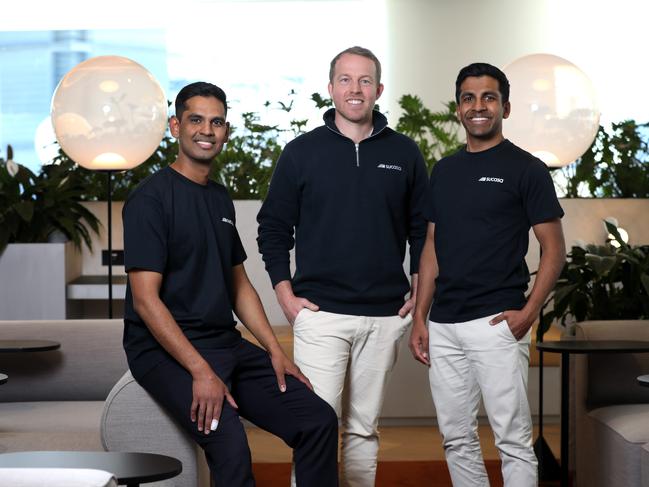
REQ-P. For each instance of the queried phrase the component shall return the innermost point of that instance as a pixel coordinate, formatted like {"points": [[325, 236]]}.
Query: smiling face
{"points": [[481, 111], [354, 89], [202, 129]]}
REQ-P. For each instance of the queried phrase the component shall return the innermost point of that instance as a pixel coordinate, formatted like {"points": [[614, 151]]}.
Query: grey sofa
{"points": [[82, 397], [611, 410]]}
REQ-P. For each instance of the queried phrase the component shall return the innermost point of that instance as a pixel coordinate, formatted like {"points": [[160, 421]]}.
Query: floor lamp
{"points": [[554, 116], [109, 193], [109, 114]]}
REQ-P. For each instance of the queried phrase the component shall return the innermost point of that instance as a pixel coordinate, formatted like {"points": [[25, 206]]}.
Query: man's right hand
{"points": [[291, 305], [419, 342], [209, 391]]}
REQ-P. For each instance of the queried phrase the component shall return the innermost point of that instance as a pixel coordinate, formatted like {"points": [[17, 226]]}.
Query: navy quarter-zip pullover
{"points": [[350, 208]]}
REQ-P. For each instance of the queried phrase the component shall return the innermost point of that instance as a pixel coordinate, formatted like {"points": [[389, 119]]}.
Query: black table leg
{"points": [[565, 377]]}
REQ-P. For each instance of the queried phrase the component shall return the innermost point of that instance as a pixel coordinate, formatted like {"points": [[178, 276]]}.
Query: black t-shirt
{"points": [[186, 232], [483, 205]]}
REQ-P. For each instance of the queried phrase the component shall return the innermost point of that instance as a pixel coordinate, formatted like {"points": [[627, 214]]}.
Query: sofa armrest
{"points": [[133, 421], [605, 379], [601, 380]]}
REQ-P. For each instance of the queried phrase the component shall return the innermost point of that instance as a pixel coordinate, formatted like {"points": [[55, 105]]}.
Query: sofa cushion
{"points": [[610, 453], [644, 465], [50, 425], [630, 421]]}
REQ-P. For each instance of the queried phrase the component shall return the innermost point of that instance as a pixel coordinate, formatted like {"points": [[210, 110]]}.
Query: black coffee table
{"points": [[567, 347], [13, 346], [643, 380], [130, 469], [3, 378]]}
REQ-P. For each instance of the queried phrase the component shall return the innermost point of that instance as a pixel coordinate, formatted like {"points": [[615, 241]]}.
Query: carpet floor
{"points": [[389, 474]]}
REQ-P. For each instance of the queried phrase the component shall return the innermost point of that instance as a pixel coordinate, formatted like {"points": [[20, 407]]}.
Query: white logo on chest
{"points": [[391, 167], [485, 179], [227, 220]]}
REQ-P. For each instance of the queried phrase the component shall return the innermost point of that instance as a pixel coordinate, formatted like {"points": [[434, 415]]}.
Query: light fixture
{"points": [[554, 114], [109, 114]]}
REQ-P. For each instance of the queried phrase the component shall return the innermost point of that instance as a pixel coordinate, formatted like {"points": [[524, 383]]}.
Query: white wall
{"points": [[430, 40], [583, 221]]}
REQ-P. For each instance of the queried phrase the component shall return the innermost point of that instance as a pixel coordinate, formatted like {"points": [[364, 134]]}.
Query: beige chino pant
{"points": [[348, 359]]}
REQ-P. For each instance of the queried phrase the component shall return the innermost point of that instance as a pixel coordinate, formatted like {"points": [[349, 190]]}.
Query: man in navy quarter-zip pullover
{"points": [[348, 195]]}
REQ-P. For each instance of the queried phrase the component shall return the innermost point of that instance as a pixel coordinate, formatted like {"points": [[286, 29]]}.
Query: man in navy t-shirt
{"points": [[481, 203], [184, 260]]}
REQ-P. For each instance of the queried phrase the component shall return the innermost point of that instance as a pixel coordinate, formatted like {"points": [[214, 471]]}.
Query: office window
{"points": [[257, 51]]}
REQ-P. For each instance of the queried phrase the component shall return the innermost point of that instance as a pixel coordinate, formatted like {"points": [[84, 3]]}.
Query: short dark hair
{"points": [[358, 51], [200, 88], [482, 69]]}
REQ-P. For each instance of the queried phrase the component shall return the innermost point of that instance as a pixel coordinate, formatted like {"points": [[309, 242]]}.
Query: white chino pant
{"points": [[468, 359], [354, 354]]}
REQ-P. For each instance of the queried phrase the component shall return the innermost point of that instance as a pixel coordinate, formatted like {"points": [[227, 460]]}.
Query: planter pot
{"points": [[33, 280]]}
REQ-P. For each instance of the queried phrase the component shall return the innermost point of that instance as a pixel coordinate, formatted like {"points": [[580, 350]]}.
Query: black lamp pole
{"points": [[109, 173], [548, 466]]}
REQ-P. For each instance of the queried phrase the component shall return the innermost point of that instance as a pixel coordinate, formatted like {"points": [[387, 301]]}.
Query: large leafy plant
{"points": [[32, 207], [437, 133], [600, 282], [615, 166]]}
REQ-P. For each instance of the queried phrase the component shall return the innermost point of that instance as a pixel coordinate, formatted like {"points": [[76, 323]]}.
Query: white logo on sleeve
{"points": [[391, 167], [227, 220], [486, 179]]}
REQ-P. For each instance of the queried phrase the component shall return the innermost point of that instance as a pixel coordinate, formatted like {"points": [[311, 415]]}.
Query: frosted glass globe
{"points": [[109, 113], [554, 112]]}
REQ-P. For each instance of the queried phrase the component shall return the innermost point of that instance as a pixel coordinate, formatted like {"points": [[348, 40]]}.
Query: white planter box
{"points": [[33, 280]]}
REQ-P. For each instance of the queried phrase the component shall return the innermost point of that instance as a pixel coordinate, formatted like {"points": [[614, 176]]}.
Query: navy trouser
{"points": [[305, 422]]}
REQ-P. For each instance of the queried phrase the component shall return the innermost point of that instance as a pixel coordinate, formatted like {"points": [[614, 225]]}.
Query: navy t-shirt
{"points": [[186, 232], [483, 205]]}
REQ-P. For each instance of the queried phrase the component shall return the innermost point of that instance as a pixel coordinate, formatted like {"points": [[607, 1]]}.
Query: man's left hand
{"points": [[519, 321], [283, 366], [408, 307]]}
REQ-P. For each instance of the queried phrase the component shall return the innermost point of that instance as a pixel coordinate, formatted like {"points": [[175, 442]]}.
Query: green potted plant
{"points": [[616, 165], [437, 133], [600, 282], [35, 207]]}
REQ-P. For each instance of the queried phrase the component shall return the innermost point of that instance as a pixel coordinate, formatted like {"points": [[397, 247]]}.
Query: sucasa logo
{"points": [[392, 167], [485, 179], [227, 220]]}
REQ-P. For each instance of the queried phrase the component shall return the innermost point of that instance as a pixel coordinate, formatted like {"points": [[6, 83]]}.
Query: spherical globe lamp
{"points": [[109, 113], [554, 114]]}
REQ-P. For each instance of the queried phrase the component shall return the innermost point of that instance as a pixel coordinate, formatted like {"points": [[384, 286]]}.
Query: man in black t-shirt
{"points": [[184, 260], [481, 203]]}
